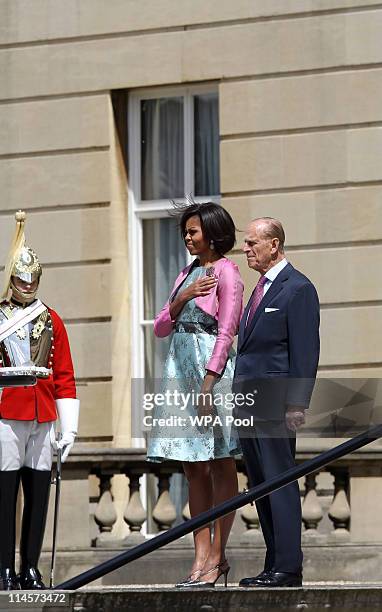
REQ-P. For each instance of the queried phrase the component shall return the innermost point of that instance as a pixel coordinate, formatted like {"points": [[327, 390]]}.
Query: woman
{"points": [[204, 312]]}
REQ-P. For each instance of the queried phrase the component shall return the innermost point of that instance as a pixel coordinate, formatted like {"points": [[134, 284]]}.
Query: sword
{"points": [[57, 482]]}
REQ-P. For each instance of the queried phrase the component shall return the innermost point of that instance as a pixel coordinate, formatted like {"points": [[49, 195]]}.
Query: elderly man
{"points": [[277, 358]]}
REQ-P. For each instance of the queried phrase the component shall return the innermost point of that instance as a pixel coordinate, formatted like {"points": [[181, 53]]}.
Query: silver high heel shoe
{"points": [[223, 568]]}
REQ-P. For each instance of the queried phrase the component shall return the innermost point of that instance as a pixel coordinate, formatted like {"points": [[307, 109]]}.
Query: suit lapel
{"points": [[243, 320], [273, 290]]}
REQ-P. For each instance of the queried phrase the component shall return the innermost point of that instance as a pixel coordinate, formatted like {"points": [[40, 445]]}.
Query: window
{"points": [[173, 153]]}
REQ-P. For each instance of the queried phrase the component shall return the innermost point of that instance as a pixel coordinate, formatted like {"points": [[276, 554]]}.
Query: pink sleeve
{"points": [[163, 324], [230, 297]]}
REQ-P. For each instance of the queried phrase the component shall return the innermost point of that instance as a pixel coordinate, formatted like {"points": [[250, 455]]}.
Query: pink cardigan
{"points": [[224, 303]]}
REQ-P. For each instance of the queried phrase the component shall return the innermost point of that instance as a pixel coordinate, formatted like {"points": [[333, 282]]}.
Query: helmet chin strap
{"points": [[20, 296]]}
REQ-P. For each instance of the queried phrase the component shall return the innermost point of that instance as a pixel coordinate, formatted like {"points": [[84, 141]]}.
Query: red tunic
{"points": [[38, 402]]}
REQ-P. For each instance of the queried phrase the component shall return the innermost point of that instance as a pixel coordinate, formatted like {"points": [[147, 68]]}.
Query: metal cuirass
{"points": [[28, 345]]}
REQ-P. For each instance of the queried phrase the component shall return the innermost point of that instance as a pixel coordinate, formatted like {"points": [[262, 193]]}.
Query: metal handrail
{"points": [[224, 508]]}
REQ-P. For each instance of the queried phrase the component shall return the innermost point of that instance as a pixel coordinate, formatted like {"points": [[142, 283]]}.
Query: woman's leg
{"points": [[200, 498], [225, 486]]}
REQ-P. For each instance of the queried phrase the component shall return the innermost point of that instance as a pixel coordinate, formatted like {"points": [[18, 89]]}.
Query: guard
{"points": [[32, 335]]}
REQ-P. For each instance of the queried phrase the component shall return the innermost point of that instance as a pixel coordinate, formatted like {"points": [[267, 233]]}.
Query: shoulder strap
{"points": [[21, 318]]}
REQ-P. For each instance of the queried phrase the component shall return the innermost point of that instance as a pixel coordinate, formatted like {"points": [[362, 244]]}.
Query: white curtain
{"points": [[162, 148]]}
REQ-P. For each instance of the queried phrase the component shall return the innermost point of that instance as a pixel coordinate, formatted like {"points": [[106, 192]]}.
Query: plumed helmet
{"points": [[22, 262], [27, 266]]}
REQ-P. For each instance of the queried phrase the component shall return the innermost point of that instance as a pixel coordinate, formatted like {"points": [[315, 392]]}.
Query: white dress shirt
{"points": [[270, 276], [272, 273]]}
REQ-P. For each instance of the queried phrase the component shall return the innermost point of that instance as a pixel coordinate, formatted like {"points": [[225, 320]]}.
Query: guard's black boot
{"points": [[9, 486], [8, 580], [36, 487], [31, 579]]}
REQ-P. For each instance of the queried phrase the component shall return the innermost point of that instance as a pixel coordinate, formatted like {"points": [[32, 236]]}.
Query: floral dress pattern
{"points": [[176, 435]]}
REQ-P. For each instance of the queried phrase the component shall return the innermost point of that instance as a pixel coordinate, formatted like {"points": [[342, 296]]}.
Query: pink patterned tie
{"points": [[256, 298]]}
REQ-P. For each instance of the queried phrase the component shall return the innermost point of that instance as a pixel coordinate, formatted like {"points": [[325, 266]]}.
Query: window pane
{"points": [[164, 255], [162, 148], [206, 150]]}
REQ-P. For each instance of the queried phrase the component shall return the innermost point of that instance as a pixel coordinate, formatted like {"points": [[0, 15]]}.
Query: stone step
{"points": [[313, 597], [341, 598]]}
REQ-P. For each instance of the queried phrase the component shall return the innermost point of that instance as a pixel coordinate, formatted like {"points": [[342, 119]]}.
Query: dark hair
{"points": [[215, 221]]}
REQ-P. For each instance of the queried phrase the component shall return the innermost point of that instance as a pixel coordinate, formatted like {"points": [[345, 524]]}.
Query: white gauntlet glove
{"points": [[68, 411]]}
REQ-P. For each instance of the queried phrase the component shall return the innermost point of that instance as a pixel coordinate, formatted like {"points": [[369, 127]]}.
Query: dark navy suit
{"points": [[277, 358]]}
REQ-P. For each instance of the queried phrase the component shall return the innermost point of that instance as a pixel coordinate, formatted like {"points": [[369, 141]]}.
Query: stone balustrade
{"points": [[338, 503]]}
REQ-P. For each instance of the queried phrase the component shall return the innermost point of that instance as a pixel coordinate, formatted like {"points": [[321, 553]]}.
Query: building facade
{"points": [[110, 109]]}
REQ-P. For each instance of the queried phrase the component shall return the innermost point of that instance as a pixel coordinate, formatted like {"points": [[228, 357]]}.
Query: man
{"points": [[277, 358], [31, 334]]}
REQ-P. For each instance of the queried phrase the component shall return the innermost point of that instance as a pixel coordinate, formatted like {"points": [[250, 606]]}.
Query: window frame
{"points": [[139, 210]]}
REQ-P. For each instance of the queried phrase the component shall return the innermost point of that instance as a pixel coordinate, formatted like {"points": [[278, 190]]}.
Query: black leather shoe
{"points": [[254, 580], [280, 579], [31, 580], [8, 580]]}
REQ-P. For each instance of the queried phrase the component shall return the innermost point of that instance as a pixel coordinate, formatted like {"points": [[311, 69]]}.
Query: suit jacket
{"points": [[224, 303], [38, 402], [278, 351]]}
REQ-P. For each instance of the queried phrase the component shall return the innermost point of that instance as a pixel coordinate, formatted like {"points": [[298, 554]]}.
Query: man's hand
{"points": [[68, 412], [66, 444], [294, 417]]}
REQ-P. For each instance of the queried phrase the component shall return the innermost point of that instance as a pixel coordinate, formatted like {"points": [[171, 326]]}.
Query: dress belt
{"points": [[190, 327]]}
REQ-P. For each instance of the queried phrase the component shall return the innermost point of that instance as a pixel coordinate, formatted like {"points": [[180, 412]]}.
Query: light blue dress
{"points": [[177, 437]]}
